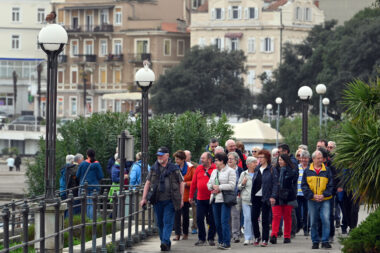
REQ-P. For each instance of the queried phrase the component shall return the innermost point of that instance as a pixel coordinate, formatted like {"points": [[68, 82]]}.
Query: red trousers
{"points": [[284, 211]]}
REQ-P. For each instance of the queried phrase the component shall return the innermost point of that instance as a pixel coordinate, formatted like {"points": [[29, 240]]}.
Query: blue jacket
{"points": [[94, 175], [135, 174], [115, 173]]}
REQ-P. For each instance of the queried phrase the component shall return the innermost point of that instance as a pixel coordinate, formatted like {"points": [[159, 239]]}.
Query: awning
{"points": [[88, 7], [233, 35], [133, 96]]}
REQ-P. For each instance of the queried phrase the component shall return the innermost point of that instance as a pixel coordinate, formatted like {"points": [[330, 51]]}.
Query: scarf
{"points": [[165, 173], [183, 169]]}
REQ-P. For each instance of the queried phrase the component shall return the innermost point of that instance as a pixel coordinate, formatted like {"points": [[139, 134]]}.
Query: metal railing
{"points": [[139, 57], [18, 219], [89, 28], [22, 127]]}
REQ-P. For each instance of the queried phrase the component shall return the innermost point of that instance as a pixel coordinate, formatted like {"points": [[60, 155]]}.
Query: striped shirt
{"points": [[300, 173]]}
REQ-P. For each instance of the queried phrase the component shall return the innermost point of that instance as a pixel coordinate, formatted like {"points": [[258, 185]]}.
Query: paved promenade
{"points": [[11, 182], [300, 244]]}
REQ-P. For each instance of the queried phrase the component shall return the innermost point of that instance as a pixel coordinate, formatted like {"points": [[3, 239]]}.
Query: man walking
{"points": [[10, 163], [204, 210], [167, 179], [317, 187]]}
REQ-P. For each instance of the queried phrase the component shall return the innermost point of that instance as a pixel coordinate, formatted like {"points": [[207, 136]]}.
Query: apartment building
{"points": [[258, 27], [108, 41], [20, 23]]}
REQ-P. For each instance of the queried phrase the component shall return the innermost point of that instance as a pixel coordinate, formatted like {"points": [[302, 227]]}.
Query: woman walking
{"points": [[285, 191], [223, 179], [262, 184], [245, 187]]}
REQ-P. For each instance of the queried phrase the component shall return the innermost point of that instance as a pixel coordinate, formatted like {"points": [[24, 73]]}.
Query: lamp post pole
{"points": [[305, 93], [320, 89], [144, 79], [52, 39], [269, 108], [278, 102], [326, 102]]}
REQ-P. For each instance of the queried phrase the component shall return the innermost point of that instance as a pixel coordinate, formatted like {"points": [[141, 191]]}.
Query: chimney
{"points": [[316, 2]]}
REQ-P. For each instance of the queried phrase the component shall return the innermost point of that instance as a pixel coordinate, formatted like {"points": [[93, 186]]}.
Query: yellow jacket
{"points": [[320, 184]]}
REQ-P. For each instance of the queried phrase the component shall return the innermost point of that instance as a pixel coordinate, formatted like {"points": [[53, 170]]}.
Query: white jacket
{"points": [[227, 182], [245, 190]]}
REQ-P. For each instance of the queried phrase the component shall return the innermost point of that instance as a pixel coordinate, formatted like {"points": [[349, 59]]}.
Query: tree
{"points": [[330, 55], [358, 143], [207, 80]]}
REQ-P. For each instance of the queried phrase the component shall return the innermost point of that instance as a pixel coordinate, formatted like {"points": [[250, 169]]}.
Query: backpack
{"points": [[68, 180]]}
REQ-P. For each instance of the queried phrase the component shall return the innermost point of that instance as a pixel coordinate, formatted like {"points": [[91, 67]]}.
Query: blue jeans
{"points": [[204, 210], [164, 212], [247, 209], [89, 205], [222, 214], [319, 210]]}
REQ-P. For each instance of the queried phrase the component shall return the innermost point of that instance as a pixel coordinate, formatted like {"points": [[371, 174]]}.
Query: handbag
{"points": [[283, 194], [152, 196], [229, 198]]}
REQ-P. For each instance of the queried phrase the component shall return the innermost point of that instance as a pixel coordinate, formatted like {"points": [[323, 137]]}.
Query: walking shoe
{"points": [[279, 234], [165, 247], [257, 241], [246, 242], [344, 231], [200, 243], [293, 235], [211, 242], [273, 239], [264, 244], [185, 237], [337, 224], [176, 238], [236, 240], [194, 232], [305, 233], [326, 245], [287, 240], [315, 245], [224, 247]]}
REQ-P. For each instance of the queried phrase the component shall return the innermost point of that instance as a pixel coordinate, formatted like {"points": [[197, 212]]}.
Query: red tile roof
{"points": [[203, 7], [172, 27], [274, 6]]}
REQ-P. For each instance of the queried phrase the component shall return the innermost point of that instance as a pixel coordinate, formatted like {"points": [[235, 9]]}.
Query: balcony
{"points": [[62, 58], [114, 58], [89, 28], [90, 57], [138, 58]]}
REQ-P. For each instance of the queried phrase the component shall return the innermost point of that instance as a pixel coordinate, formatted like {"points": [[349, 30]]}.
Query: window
{"points": [[251, 45], [180, 47], [74, 75], [167, 47], [298, 13], [117, 76], [234, 44], [16, 14], [60, 106], [118, 16], [196, 3], [89, 47], [73, 106], [103, 75], [234, 12], [141, 46], [60, 76], [74, 19], [218, 43], [269, 74], [74, 48], [6, 99], [218, 13], [104, 16], [307, 14], [89, 106], [117, 106], [61, 17], [267, 45], [252, 13], [15, 41], [40, 15], [103, 48], [117, 47], [102, 104], [251, 77], [202, 42]]}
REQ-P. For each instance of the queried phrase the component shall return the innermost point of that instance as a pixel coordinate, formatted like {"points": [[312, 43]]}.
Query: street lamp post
{"points": [[321, 90], [269, 108], [326, 102], [278, 102], [144, 78], [52, 38], [305, 93]]}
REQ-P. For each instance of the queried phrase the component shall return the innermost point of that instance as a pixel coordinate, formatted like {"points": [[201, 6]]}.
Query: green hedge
{"points": [[366, 237]]}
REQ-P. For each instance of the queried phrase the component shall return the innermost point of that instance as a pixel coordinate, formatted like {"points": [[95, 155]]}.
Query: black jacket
{"points": [[289, 186], [244, 164], [266, 182]]}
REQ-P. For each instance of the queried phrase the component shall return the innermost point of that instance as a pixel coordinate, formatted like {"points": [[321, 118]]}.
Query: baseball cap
{"points": [[162, 151]]}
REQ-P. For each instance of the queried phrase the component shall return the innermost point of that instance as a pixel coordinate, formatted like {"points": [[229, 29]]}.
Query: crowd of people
{"points": [[231, 191]]}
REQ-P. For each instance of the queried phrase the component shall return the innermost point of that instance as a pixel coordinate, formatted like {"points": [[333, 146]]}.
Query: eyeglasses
{"points": [[298, 155], [254, 151], [231, 158], [261, 157]]}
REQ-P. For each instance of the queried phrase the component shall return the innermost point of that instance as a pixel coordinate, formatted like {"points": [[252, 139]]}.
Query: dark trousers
{"points": [[265, 209], [181, 220], [350, 211], [204, 210], [301, 213]]}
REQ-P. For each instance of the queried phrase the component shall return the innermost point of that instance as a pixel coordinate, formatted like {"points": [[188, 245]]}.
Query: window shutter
{"points": [[256, 13], [229, 12], [222, 13], [237, 44], [304, 13], [262, 44], [272, 44], [213, 16], [253, 75], [310, 14], [228, 44], [246, 14], [239, 12], [221, 44]]}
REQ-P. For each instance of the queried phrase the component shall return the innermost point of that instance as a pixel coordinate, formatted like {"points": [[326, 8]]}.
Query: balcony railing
{"points": [[90, 28], [22, 127], [137, 58], [90, 57], [114, 57]]}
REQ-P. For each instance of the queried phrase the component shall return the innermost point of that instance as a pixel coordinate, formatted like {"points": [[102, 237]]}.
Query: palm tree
{"points": [[358, 149]]}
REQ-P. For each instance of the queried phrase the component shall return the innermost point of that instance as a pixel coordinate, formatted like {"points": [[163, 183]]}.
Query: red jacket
{"points": [[199, 182]]}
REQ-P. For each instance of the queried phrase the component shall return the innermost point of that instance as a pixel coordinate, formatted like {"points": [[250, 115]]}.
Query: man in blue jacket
{"points": [[135, 174]]}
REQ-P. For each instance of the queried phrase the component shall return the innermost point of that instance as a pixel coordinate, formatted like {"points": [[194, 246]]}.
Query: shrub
{"points": [[366, 237]]}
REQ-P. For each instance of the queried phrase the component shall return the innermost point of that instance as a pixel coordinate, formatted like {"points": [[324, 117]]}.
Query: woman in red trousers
{"points": [[286, 192]]}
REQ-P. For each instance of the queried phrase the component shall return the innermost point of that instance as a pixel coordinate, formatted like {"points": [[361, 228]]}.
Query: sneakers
{"points": [[200, 243], [236, 240], [293, 235], [194, 232], [305, 233], [315, 245], [264, 244], [165, 247], [273, 239], [326, 245], [337, 224], [287, 240], [224, 247], [257, 241], [211, 243], [246, 242], [344, 231]]}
